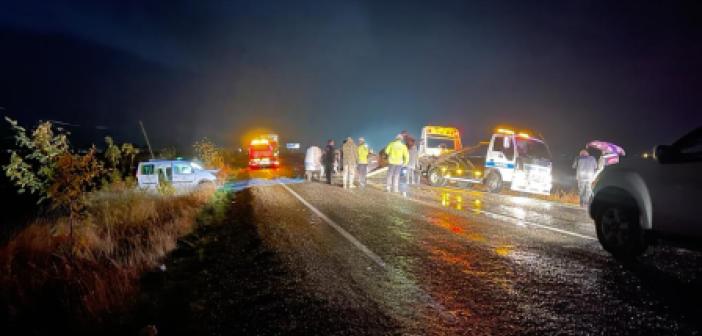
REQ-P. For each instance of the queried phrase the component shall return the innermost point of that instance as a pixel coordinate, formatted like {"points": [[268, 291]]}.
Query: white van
{"points": [[183, 175]]}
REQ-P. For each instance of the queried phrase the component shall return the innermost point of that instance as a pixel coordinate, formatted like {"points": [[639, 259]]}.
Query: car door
{"points": [[165, 173], [501, 155], [676, 193], [147, 177], [183, 175]]}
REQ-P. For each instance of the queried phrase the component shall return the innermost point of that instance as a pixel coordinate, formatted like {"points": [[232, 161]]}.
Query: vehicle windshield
{"points": [[533, 148], [440, 142], [260, 148]]}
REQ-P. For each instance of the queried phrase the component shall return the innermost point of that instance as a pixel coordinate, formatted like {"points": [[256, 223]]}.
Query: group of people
{"points": [[350, 159], [402, 156], [403, 160]]}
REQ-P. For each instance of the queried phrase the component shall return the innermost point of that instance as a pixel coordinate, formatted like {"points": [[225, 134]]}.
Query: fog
{"points": [[571, 71]]}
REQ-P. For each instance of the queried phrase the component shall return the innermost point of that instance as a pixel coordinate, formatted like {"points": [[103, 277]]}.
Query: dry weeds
{"points": [[122, 234]]}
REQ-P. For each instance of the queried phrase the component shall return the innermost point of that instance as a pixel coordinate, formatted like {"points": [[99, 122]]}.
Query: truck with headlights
{"points": [[264, 152], [511, 160], [436, 142]]}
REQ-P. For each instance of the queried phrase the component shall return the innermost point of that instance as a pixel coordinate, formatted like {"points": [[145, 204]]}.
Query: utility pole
{"points": [[146, 137]]}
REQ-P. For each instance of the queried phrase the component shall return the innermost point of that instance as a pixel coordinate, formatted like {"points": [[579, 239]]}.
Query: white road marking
{"points": [[339, 229], [397, 274], [494, 214], [377, 171]]}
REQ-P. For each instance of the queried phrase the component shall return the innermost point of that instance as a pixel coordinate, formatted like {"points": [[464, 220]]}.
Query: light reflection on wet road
{"points": [[467, 262]]}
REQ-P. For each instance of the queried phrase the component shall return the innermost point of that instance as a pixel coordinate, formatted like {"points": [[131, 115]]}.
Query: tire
{"points": [[435, 179], [619, 232], [493, 182]]}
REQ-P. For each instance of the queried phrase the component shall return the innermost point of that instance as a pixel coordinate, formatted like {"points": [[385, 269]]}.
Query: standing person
{"points": [[397, 157], [337, 161], [349, 158], [585, 167], [412, 174], [328, 160], [404, 181], [313, 163], [362, 162]]}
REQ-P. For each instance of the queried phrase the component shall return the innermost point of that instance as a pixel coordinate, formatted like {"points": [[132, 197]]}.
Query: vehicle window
{"points": [[446, 143], [147, 169], [692, 150], [533, 149], [499, 144], [260, 148], [165, 174], [182, 168], [690, 146]]}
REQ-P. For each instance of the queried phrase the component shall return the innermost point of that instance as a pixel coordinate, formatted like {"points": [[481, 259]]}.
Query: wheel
{"points": [[493, 182], [435, 178], [619, 232]]}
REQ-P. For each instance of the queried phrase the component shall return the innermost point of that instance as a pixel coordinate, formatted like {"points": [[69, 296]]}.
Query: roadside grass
{"points": [[47, 273]]}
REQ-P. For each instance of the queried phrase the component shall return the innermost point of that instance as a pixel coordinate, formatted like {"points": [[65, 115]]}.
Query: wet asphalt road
{"points": [[453, 261]]}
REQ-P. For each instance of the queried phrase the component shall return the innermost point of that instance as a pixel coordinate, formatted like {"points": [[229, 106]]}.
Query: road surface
{"points": [[443, 261]]}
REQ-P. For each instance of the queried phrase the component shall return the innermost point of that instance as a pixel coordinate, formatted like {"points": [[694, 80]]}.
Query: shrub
{"points": [[33, 163], [212, 157], [74, 174], [129, 152], [112, 153], [168, 153]]}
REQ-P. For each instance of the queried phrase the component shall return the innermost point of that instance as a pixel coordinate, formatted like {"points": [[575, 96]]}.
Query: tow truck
{"points": [[435, 142], [264, 151], [514, 159]]}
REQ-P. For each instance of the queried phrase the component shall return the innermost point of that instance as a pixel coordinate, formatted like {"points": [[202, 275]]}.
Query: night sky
{"points": [[310, 70]]}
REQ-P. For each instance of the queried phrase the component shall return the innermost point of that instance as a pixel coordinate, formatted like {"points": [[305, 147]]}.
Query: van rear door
{"points": [[146, 176]]}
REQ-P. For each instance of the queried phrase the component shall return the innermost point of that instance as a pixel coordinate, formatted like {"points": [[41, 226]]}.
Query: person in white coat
{"points": [[313, 163]]}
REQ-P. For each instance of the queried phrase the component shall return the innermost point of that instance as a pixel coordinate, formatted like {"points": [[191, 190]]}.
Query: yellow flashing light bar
{"points": [[505, 131], [523, 135], [440, 130], [255, 142]]}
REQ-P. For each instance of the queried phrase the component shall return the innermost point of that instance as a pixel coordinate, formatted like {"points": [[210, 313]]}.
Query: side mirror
{"points": [[664, 154]]}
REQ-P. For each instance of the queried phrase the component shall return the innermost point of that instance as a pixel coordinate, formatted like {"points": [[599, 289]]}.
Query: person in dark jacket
{"points": [[328, 160]]}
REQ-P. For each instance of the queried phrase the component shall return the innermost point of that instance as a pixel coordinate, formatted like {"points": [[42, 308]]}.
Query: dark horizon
{"points": [[572, 71]]}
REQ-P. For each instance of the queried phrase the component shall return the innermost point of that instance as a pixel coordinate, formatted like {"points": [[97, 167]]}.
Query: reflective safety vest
{"points": [[363, 154], [397, 153]]}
